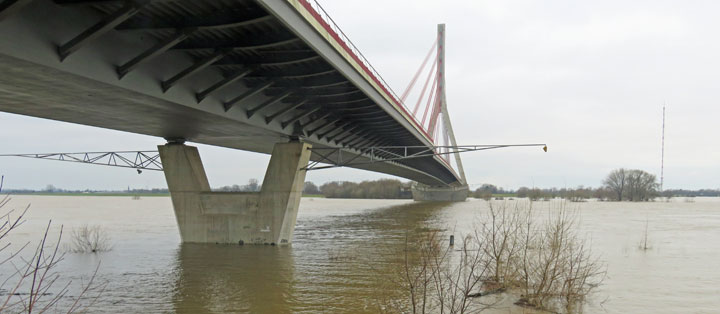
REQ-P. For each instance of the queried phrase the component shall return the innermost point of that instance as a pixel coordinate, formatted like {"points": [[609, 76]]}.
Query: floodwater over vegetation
{"points": [[344, 252]]}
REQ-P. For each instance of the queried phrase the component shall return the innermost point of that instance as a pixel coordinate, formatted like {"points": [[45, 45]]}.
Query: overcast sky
{"points": [[587, 77]]}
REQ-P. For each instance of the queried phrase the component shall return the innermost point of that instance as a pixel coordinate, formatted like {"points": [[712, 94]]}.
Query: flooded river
{"points": [[340, 250]]}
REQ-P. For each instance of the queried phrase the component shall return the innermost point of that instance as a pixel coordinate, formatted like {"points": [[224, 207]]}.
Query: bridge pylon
{"points": [[265, 217], [459, 191]]}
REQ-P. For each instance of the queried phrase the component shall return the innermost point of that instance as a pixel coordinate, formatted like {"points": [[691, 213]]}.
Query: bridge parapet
{"points": [[323, 23]]}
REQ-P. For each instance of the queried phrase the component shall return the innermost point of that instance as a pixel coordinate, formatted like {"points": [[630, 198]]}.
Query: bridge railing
{"points": [[335, 31]]}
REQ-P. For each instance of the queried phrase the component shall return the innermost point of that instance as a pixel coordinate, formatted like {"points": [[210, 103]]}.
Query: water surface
{"points": [[343, 247]]}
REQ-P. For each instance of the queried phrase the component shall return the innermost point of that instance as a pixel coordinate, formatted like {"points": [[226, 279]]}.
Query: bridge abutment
{"points": [[265, 217]]}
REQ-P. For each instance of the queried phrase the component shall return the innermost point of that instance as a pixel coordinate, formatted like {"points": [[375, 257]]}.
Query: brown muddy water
{"points": [[340, 254]]}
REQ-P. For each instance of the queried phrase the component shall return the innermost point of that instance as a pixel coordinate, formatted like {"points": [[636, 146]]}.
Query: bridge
{"points": [[270, 76]]}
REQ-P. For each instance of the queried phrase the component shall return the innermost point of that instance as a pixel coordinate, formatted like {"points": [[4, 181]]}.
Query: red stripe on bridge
{"points": [[355, 57]]}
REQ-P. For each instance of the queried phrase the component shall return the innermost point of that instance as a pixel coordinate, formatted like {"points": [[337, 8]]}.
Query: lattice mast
{"points": [[443, 101], [662, 152]]}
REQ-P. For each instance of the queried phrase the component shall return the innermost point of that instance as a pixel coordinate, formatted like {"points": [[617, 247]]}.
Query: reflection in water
{"points": [[333, 266], [231, 278]]}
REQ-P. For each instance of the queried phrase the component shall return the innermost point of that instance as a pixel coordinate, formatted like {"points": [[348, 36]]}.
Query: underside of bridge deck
{"points": [[243, 74], [255, 75]]}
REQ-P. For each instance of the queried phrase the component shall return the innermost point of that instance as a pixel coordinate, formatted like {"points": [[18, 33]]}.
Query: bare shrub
{"points": [[431, 277], [499, 230], [90, 239], [512, 249], [644, 245], [33, 286], [558, 270]]}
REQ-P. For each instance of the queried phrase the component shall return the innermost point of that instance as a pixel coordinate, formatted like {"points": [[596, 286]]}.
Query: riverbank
{"points": [[124, 194], [92, 194]]}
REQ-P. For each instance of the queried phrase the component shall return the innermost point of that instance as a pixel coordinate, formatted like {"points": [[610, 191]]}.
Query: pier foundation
{"points": [[265, 217], [440, 194]]}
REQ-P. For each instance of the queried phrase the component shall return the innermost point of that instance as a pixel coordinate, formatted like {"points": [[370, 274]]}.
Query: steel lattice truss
{"points": [[145, 160], [333, 156]]}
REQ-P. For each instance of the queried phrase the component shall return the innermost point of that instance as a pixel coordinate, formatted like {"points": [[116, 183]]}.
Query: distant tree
{"points": [[252, 185], [603, 194], [330, 188], [632, 185], [642, 186], [50, 188], [489, 188], [482, 194], [310, 188], [580, 194], [522, 192], [535, 194], [615, 181], [230, 188]]}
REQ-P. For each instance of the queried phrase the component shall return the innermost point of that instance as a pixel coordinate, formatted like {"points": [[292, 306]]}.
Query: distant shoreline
{"points": [[91, 194], [118, 194]]}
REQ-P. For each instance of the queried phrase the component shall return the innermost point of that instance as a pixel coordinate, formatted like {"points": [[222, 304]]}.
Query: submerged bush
{"points": [[542, 261], [29, 282], [90, 239]]}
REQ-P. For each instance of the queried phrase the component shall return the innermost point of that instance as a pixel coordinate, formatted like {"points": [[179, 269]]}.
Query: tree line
{"points": [[252, 186], [577, 194], [691, 193], [619, 185], [383, 189], [380, 189]]}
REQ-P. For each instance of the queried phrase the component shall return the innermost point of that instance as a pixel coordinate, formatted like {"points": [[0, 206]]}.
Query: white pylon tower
{"points": [[443, 100]]}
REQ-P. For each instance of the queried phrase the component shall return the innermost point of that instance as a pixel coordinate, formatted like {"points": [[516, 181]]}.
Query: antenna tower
{"points": [[662, 152]]}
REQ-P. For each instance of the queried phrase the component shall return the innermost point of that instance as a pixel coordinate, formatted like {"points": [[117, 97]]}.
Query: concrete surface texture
{"points": [[265, 217]]}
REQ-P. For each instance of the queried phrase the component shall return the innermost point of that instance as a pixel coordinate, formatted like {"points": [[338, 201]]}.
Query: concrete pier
{"points": [[265, 217], [440, 194]]}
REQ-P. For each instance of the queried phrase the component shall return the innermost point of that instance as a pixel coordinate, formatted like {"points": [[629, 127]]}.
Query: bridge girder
{"points": [[212, 60]]}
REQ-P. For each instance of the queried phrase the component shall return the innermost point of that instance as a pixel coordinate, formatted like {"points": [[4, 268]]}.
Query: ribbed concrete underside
{"points": [[245, 43]]}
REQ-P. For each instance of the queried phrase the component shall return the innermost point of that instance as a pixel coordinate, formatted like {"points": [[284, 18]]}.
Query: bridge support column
{"points": [[440, 194], [265, 217]]}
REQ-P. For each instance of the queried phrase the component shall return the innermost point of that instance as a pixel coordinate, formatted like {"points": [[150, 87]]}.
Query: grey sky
{"points": [[587, 77]]}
